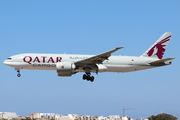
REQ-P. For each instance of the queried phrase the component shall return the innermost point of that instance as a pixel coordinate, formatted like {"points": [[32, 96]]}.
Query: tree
{"points": [[162, 116]]}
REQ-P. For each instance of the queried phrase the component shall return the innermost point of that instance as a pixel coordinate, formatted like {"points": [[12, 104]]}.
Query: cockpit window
{"points": [[8, 58]]}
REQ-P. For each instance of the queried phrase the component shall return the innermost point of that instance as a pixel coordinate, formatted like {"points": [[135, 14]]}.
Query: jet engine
{"points": [[65, 68], [102, 68]]}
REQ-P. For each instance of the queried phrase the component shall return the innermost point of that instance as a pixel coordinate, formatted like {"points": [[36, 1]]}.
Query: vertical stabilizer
{"points": [[158, 48]]}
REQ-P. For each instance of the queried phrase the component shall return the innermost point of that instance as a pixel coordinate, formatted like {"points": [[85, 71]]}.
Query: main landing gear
{"points": [[18, 70], [88, 77]]}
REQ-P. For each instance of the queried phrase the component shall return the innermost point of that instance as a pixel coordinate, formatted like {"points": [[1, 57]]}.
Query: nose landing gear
{"points": [[18, 70]]}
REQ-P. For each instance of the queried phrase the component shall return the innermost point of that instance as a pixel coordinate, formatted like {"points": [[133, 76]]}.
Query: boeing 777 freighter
{"points": [[69, 64]]}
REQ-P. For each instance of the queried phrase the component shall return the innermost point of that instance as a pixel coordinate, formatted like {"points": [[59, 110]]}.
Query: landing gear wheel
{"points": [[92, 79], [88, 77], [18, 70], [19, 75], [84, 76]]}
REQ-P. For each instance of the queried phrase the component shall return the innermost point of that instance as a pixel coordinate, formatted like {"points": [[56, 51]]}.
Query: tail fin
{"points": [[158, 48]]}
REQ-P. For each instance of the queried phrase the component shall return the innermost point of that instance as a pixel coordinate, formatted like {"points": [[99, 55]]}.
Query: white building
{"points": [[102, 118], [114, 117], [63, 117], [47, 115], [126, 118], [73, 116], [8, 115], [57, 117]]}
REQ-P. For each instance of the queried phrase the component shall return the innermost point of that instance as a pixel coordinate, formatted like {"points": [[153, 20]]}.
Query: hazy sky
{"points": [[89, 27]]}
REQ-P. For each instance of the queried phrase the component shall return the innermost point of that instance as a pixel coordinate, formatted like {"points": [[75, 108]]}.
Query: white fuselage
{"points": [[34, 61], [68, 64]]}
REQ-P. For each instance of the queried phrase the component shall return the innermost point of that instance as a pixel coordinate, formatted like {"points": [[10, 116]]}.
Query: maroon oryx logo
{"points": [[160, 48]]}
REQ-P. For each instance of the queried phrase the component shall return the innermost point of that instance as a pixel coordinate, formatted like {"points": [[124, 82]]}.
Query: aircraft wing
{"points": [[97, 59]]}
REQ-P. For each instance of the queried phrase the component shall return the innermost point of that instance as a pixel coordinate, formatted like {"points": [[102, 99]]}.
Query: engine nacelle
{"points": [[65, 68], [102, 68]]}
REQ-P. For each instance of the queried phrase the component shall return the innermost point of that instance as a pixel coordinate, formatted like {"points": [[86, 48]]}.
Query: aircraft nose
{"points": [[7, 62]]}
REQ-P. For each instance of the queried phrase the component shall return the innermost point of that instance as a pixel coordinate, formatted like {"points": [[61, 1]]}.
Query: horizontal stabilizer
{"points": [[160, 61]]}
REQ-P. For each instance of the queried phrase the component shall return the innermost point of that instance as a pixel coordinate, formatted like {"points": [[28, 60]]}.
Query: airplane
{"points": [[69, 64]]}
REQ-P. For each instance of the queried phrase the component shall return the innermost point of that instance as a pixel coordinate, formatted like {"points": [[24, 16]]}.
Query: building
{"points": [[42, 116], [21, 117], [88, 117], [74, 116], [114, 117], [57, 116], [102, 118], [46, 115], [33, 115], [126, 118], [7, 115], [66, 117]]}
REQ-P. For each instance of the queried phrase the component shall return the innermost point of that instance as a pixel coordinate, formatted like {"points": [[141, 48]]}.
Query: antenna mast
{"points": [[126, 109]]}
